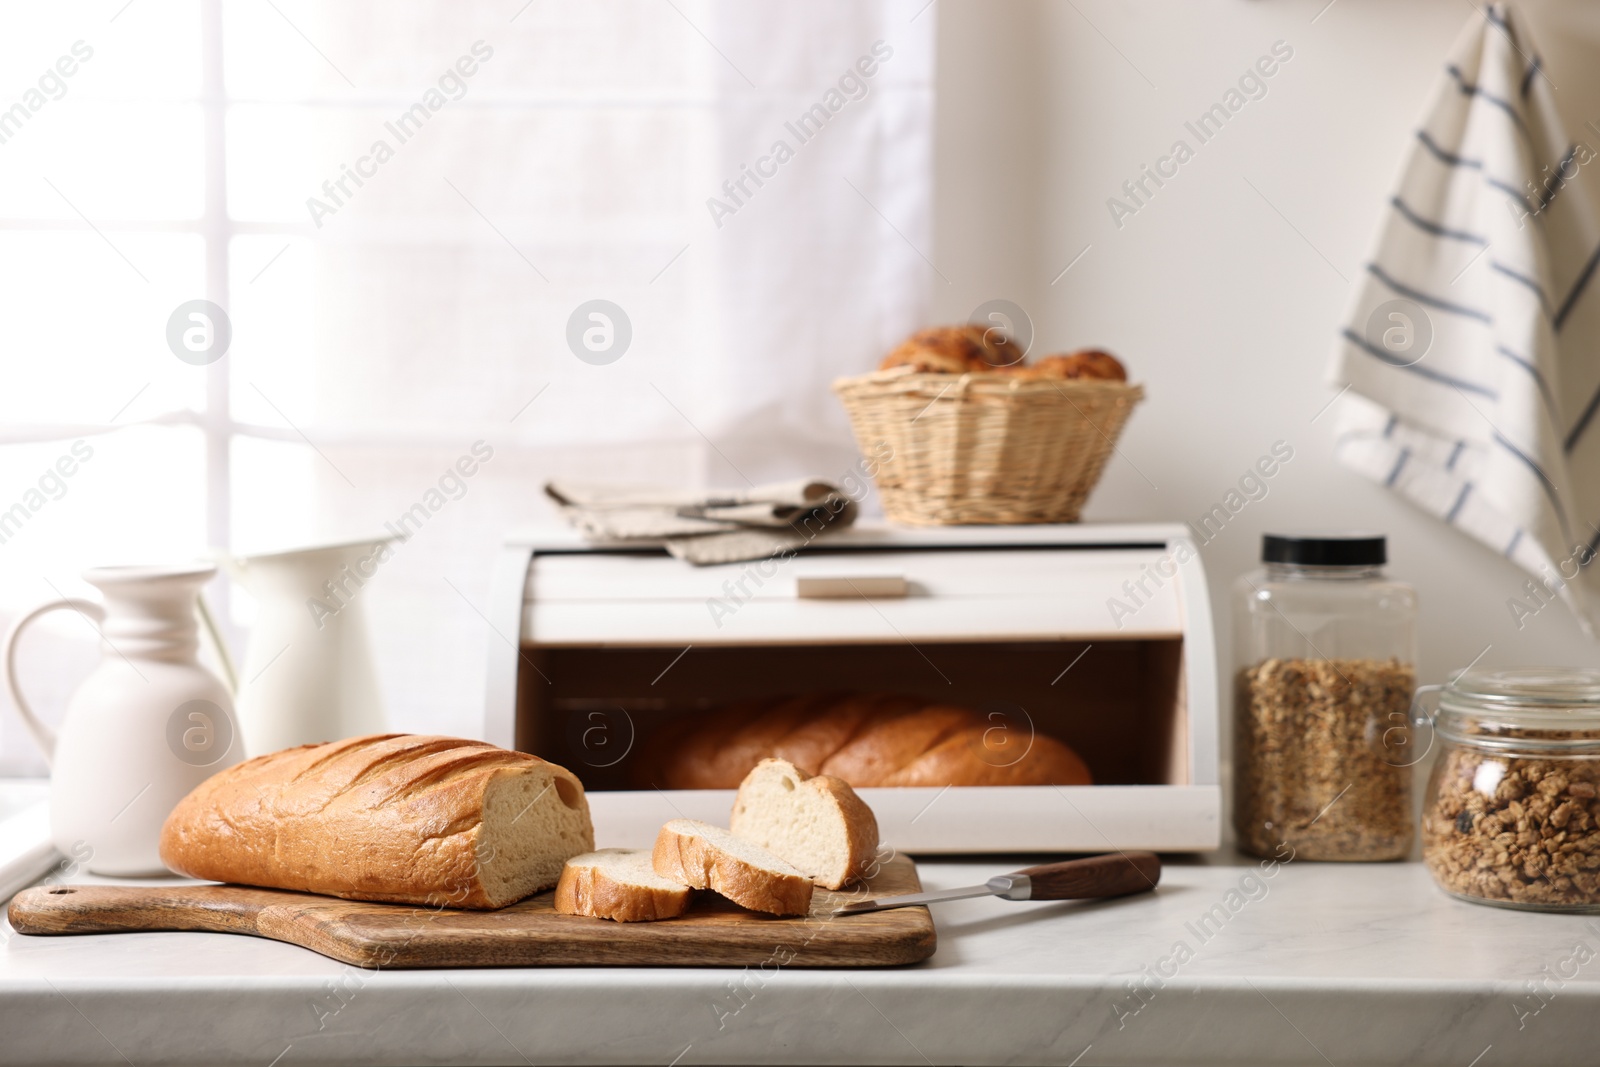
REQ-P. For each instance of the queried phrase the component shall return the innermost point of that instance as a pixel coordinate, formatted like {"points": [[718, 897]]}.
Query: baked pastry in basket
{"points": [[974, 349], [1090, 363], [965, 349]]}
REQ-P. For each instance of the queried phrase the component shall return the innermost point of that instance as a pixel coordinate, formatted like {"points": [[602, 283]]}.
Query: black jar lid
{"points": [[1325, 549]]}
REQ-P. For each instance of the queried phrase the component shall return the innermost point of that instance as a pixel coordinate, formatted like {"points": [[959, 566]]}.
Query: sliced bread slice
{"points": [[709, 857], [620, 884], [814, 822]]}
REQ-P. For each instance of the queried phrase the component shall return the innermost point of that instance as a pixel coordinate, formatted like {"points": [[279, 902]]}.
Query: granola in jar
{"points": [[1512, 814]]}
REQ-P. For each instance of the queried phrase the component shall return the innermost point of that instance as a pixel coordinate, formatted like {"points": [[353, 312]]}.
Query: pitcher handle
{"points": [[218, 646], [45, 736]]}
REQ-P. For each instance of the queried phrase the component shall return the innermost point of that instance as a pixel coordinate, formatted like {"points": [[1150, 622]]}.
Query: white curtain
{"points": [[379, 334]]}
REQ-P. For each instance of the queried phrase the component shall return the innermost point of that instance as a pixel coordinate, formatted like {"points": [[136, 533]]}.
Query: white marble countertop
{"points": [[1318, 964]]}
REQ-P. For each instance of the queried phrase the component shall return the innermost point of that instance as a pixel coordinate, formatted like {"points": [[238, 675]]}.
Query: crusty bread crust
{"points": [[861, 828], [809, 744], [890, 742], [971, 756], [389, 817], [587, 889], [685, 753], [867, 740], [757, 734], [859, 823], [683, 854]]}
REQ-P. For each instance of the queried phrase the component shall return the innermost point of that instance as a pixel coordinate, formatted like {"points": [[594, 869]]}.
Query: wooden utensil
{"points": [[715, 932], [1116, 874]]}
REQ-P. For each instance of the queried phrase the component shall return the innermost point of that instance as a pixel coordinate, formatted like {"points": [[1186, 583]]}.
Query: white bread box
{"points": [[1099, 635]]}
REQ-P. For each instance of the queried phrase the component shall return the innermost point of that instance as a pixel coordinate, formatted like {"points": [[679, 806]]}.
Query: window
{"points": [[390, 306]]}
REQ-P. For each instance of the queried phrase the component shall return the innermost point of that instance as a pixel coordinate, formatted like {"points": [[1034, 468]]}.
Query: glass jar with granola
{"points": [[1326, 647], [1511, 815]]}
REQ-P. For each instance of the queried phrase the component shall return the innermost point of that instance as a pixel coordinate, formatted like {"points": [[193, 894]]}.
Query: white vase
{"points": [[149, 724], [308, 675]]}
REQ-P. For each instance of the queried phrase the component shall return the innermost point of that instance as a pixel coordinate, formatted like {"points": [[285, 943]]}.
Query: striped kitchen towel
{"points": [[1472, 352]]}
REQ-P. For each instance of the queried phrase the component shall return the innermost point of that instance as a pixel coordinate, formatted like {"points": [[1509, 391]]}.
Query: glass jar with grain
{"points": [[1326, 652], [1512, 811]]}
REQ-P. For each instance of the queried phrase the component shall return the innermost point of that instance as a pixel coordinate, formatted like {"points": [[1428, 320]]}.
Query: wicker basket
{"points": [[985, 448]]}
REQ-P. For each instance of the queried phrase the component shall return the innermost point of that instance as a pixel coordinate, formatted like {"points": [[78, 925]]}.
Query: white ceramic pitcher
{"points": [[149, 724], [308, 675]]}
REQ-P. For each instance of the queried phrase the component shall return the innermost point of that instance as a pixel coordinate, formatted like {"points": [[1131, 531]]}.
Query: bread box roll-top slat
{"points": [[990, 689]]}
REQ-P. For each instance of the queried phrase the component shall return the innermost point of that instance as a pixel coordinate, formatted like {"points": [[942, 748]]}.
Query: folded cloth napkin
{"points": [[1472, 351], [724, 527]]}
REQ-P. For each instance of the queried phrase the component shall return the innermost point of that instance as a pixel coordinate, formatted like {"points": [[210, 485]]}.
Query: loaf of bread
{"points": [[619, 884], [815, 823], [866, 740], [708, 857], [391, 817]]}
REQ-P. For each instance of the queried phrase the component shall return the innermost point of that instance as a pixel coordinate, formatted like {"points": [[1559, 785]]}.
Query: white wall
{"points": [[1216, 304]]}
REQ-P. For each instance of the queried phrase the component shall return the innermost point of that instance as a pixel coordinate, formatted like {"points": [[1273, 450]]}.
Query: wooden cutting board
{"points": [[714, 933]]}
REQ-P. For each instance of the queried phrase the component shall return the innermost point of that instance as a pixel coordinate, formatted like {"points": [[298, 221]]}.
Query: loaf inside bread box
{"points": [[1062, 713]]}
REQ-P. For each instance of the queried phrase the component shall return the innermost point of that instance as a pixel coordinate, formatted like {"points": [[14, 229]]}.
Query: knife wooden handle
{"points": [[1115, 874]]}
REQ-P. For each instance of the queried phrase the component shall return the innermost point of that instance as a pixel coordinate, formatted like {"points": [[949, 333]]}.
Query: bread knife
{"points": [[1116, 874]]}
